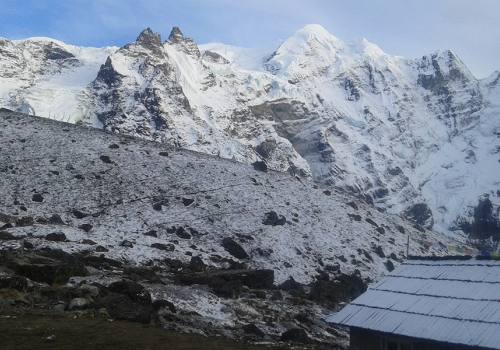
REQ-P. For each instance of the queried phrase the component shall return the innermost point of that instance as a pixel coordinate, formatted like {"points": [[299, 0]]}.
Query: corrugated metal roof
{"points": [[453, 301]]}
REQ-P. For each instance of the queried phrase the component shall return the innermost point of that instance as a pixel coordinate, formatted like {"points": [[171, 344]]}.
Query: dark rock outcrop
{"points": [[150, 40], [214, 57], [133, 290], [296, 335], [121, 307], [229, 283], [56, 268], [252, 329], [184, 44], [342, 288], [485, 222], [260, 166], [420, 214]]}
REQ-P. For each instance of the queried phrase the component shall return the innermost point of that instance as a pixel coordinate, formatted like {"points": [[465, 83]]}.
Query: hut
{"points": [[428, 304]]}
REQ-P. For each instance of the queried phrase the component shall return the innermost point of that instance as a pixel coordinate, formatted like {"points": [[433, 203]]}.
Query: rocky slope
{"points": [[418, 137], [222, 248]]}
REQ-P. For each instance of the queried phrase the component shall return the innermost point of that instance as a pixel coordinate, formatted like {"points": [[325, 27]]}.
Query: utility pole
{"points": [[408, 247]]}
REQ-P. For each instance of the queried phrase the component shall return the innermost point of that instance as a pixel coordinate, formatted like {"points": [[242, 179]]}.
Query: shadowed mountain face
{"points": [[417, 137]]}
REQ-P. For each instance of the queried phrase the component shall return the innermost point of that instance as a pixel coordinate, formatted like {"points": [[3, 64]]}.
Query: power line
{"points": [[155, 196]]}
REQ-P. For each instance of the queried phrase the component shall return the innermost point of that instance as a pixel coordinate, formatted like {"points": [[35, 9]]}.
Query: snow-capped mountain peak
{"points": [[176, 35], [310, 48], [187, 45], [148, 37], [412, 136]]}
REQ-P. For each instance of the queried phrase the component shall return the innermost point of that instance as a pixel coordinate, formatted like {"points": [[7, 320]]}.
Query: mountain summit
{"points": [[416, 137]]}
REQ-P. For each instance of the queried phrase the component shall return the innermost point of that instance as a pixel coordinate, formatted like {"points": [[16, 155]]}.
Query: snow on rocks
{"points": [[227, 219], [412, 136], [230, 247]]}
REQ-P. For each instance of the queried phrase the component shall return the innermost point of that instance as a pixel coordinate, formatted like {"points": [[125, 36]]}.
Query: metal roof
{"points": [[452, 301]]}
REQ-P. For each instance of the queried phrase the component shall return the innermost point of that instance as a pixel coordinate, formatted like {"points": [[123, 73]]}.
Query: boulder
{"points": [[182, 233], [127, 300], [56, 237], [228, 283], [166, 247], [371, 222], [126, 244], [252, 329], [101, 249], [196, 264], [293, 287], [379, 251], [90, 290], [273, 219], [79, 214], [100, 262], [7, 236], [151, 233], [138, 273], [133, 290], [355, 217], [342, 288], [78, 304], [296, 335], [37, 197], [25, 221], [233, 248], [105, 159], [187, 201], [389, 265], [13, 282], [121, 307], [55, 220], [88, 241], [164, 304], [260, 166], [85, 227], [45, 269]]}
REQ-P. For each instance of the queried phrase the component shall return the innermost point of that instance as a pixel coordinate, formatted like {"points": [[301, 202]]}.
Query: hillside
{"points": [[129, 202]]}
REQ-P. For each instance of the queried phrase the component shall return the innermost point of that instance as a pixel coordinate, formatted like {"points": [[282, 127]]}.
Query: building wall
{"points": [[369, 340], [365, 340]]}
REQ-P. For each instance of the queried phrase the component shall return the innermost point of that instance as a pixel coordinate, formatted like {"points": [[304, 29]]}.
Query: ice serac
{"points": [[417, 137]]}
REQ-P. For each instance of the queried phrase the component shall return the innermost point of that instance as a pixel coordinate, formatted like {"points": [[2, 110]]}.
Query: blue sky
{"points": [[408, 28]]}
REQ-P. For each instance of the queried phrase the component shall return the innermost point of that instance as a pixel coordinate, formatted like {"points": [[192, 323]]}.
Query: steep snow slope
{"points": [[413, 136], [110, 188], [47, 77]]}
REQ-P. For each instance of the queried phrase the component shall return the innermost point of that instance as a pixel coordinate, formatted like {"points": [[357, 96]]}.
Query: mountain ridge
{"points": [[409, 135]]}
